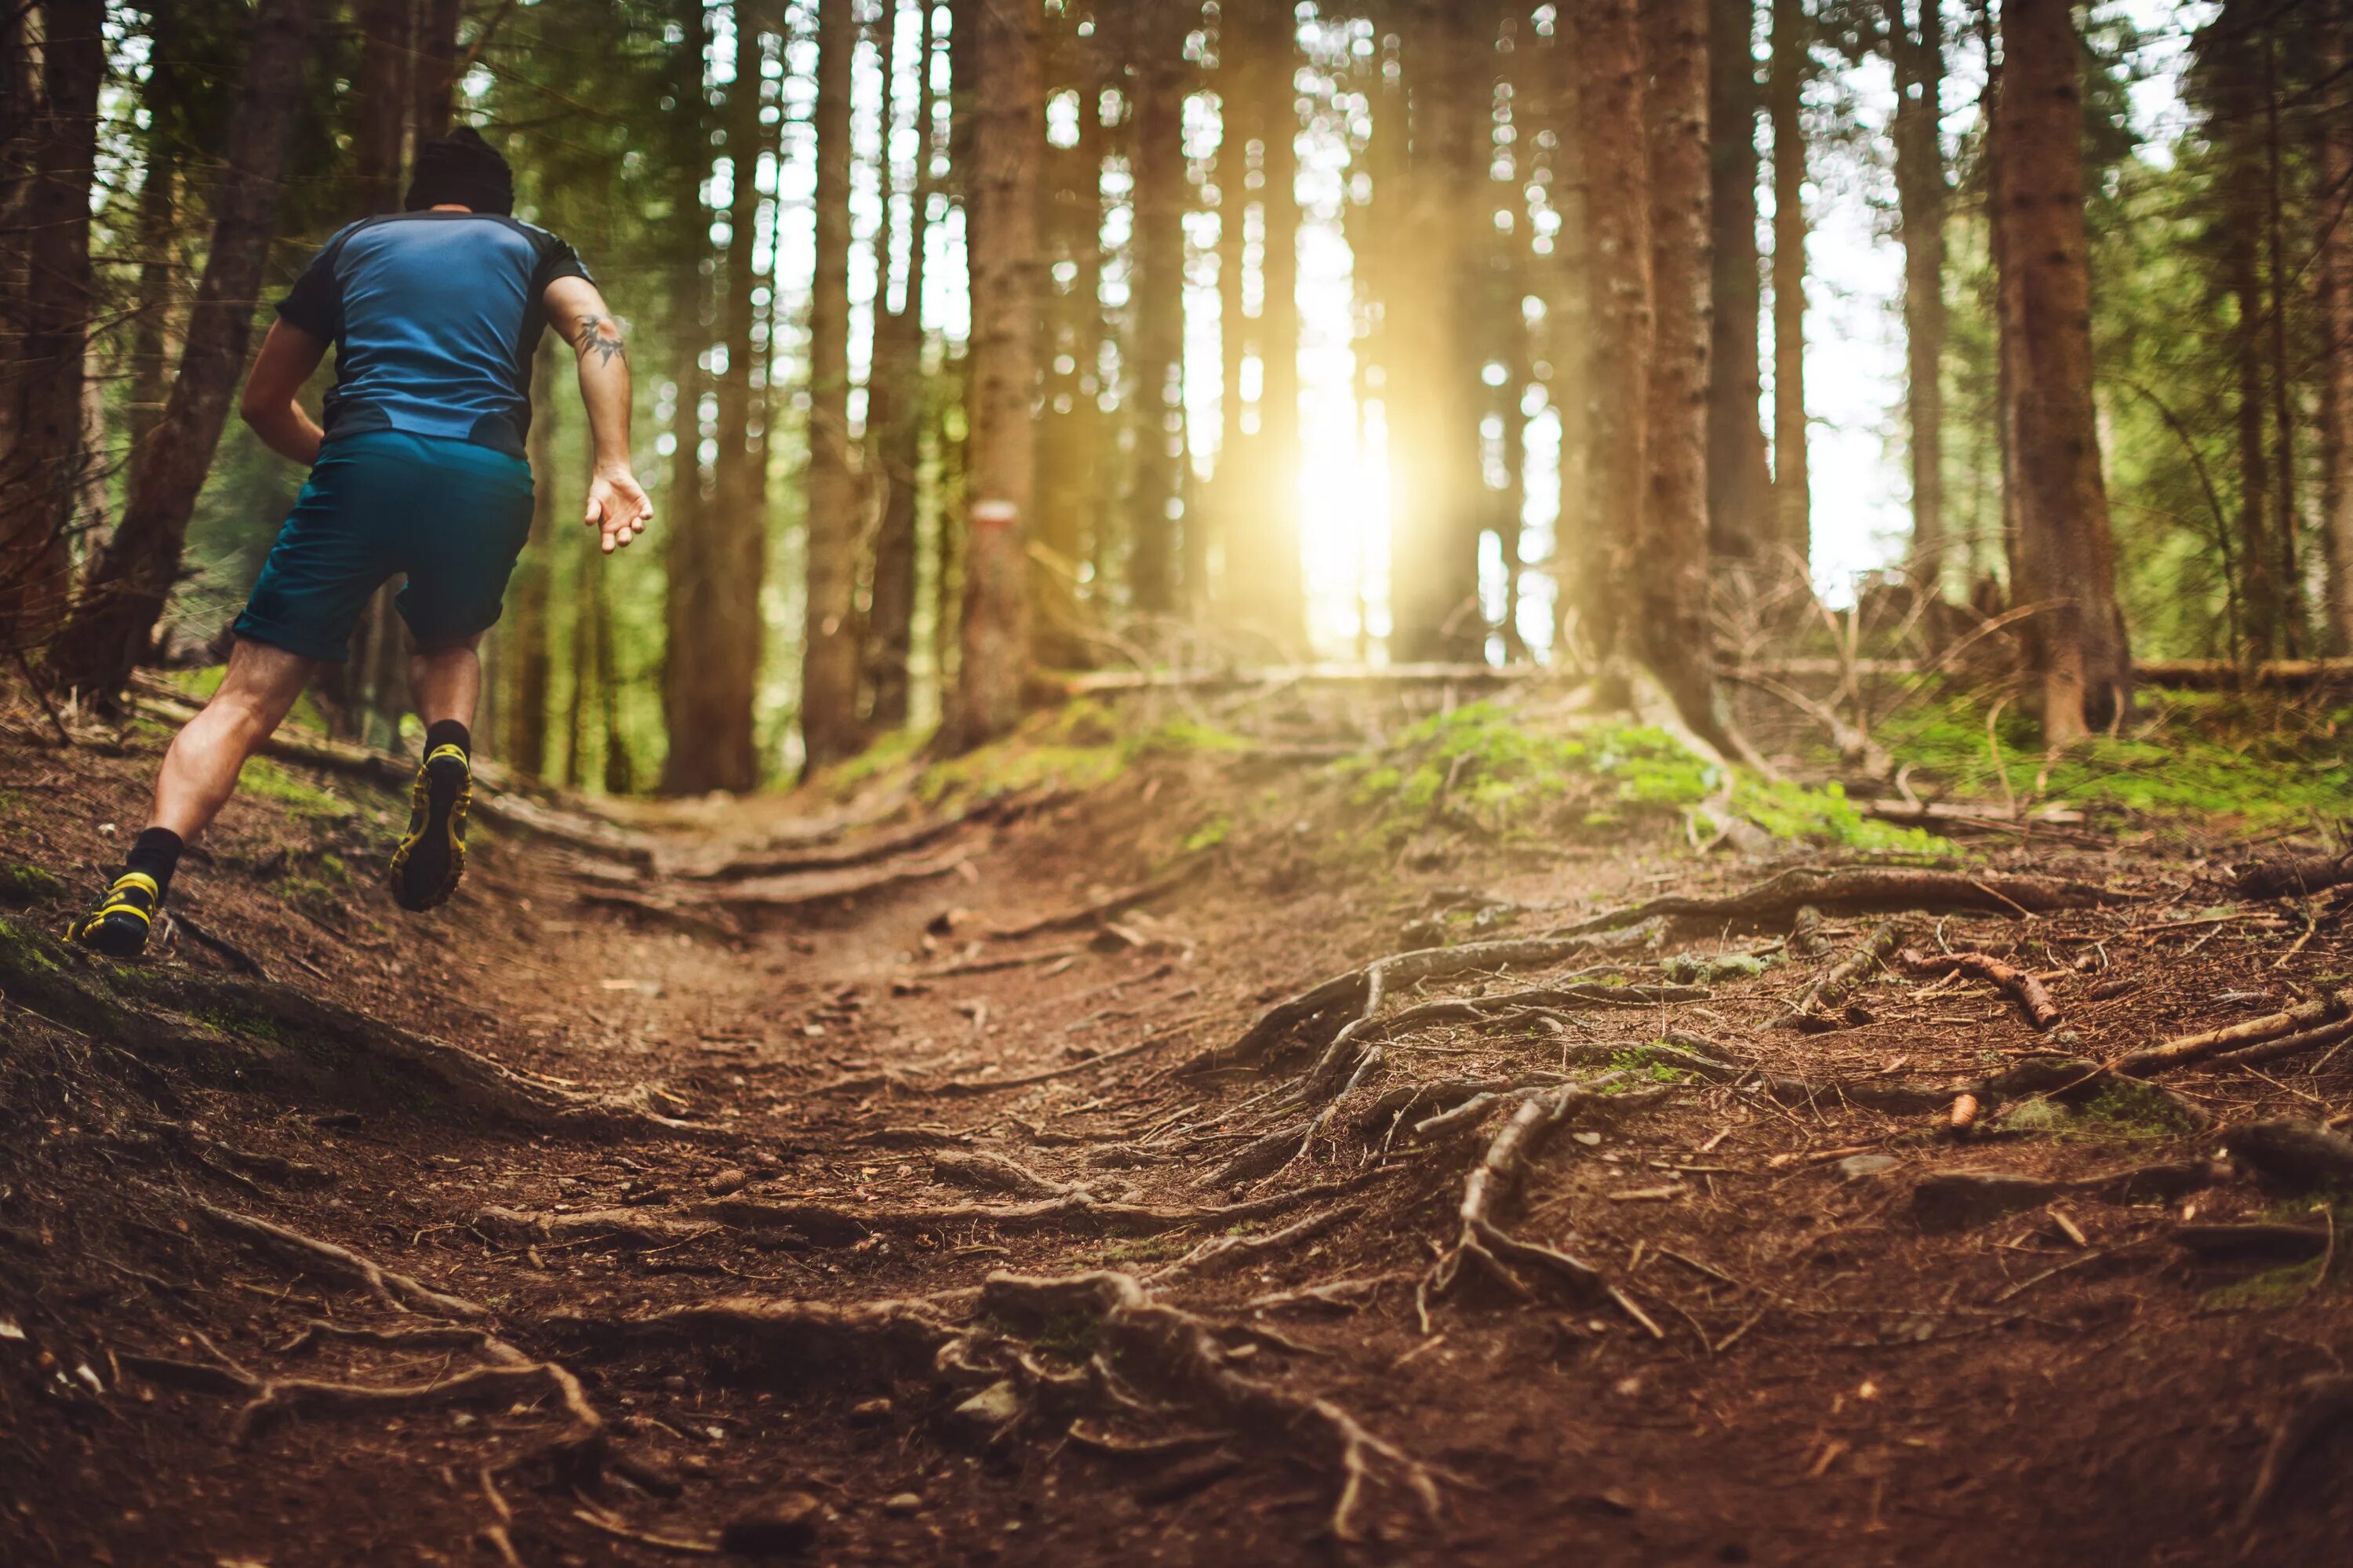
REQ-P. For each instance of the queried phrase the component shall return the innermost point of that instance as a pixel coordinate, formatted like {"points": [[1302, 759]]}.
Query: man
{"points": [[435, 314]]}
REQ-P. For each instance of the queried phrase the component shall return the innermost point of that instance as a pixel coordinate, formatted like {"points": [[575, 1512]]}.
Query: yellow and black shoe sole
{"points": [[118, 926], [430, 860]]}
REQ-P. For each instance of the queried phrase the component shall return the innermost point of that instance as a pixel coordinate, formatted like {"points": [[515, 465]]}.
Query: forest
{"points": [[1384, 782]]}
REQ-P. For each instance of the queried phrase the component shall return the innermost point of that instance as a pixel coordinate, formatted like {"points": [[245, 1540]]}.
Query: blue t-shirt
{"points": [[435, 317]]}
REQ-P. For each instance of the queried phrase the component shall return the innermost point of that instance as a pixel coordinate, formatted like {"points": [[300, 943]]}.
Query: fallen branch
{"points": [[2181, 1051], [1869, 889], [1843, 977], [2297, 877], [2298, 1153], [395, 1290], [2023, 988]]}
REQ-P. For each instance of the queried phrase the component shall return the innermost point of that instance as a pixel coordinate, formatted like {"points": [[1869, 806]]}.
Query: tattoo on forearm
{"points": [[600, 335]]}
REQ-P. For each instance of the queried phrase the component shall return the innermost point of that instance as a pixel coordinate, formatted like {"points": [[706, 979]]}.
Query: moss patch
{"points": [[266, 780], [23, 885]]}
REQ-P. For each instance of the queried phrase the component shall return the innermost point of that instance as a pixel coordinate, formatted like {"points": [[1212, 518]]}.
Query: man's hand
{"points": [[617, 507]]}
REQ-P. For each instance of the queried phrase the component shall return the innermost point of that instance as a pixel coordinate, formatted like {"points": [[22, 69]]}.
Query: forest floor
{"points": [[1041, 1175]]}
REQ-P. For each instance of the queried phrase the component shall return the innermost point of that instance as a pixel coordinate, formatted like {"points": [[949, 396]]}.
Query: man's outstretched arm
{"points": [[617, 507], [288, 356]]}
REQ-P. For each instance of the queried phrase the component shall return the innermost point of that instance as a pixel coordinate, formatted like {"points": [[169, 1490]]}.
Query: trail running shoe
{"points": [[431, 858], [119, 923]]}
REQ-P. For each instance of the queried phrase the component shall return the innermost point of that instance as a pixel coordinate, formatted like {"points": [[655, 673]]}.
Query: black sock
{"points": [[448, 732], [155, 852]]}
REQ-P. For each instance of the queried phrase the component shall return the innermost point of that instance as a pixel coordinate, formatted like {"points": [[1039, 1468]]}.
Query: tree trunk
{"points": [[2286, 518], [995, 632], [434, 78], [1670, 557], [1739, 485], [158, 217], [1271, 598], [2228, 54], [1792, 486], [738, 538], [1921, 197], [1235, 480], [381, 94], [2064, 554], [1157, 308], [125, 593], [830, 726], [47, 312], [1606, 52], [525, 638], [1071, 466], [2335, 268], [897, 416], [1433, 386]]}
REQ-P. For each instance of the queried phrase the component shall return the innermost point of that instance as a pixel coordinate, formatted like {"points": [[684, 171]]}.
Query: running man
{"points": [[435, 314]]}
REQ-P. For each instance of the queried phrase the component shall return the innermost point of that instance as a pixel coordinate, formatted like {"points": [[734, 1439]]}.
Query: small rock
{"points": [[988, 1413], [1587, 1137], [1855, 1167], [904, 1503], [781, 1528], [869, 1413], [728, 1180]]}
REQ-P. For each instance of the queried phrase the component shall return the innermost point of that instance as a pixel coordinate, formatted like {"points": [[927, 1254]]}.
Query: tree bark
{"points": [[1792, 484], [159, 214], [1268, 597], [1432, 388], [2288, 518], [2334, 269], [1606, 51], [381, 101], [1921, 196], [2229, 58], [1670, 555], [2064, 554], [434, 77], [897, 416], [1235, 482], [46, 311], [830, 725], [1739, 484], [124, 595], [1159, 312], [1071, 470], [995, 631], [525, 649]]}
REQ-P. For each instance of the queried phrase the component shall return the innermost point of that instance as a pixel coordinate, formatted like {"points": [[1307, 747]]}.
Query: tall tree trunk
{"points": [[1235, 484], [1739, 484], [830, 725], [1921, 197], [620, 774], [525, 640], [581, 655], [1157, 308], [706, 710], [1001, 481], [2065, 556], [47, 313], [739, 540], [381, 101], [897, 416], [1670, 555], [2228, 52], [2286, 518], [159, 216], [1607, 54], [2335, 267], [1070, 467], [435, 75], [1275, 603], [125, 593], [1792, 485], [1433, 388]]}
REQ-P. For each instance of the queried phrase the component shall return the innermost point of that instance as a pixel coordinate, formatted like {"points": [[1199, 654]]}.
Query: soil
{"points": [[1775, 1358]]}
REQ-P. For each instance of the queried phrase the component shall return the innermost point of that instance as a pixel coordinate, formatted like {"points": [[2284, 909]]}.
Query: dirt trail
{"points": [[969, 1216]]}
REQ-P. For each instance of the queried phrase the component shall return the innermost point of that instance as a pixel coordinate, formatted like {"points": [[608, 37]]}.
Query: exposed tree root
{"points": [[875, 1341], [800, 890], [995, 1173], [396, 1290], [2023, 988], [2308, 1019], [2246, 1243], [234, 1031], [1348, 1002], [1220, 1253], [1074, 1211], [1173, 1352], [2296, 877], [1097, 910], [1829, 993], [2321, 1403], [1957, 1200], [624, 1229], [882, 846], [1866, 889], [2301, 1154]]}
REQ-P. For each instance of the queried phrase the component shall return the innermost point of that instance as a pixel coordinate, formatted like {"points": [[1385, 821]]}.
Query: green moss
{"points": [[895, 749], [241, 1021], [1642, 1064], [2126, 1107], [1079, 747], [23, 885], [1825, 815], [266, 780], [1146, 1249], [1701, 968], [1212, 833], [2274, 1287]]}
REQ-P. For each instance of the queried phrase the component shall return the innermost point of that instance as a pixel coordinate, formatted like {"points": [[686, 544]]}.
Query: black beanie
{"points": [[462, 168]]}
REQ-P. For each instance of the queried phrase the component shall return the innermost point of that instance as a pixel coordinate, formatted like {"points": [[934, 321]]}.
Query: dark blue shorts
{"points": [[452, 514]]}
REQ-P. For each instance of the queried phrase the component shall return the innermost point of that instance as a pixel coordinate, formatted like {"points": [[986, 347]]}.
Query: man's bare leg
{"points": [[198, 775], [199, 772], [445, 684]]}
